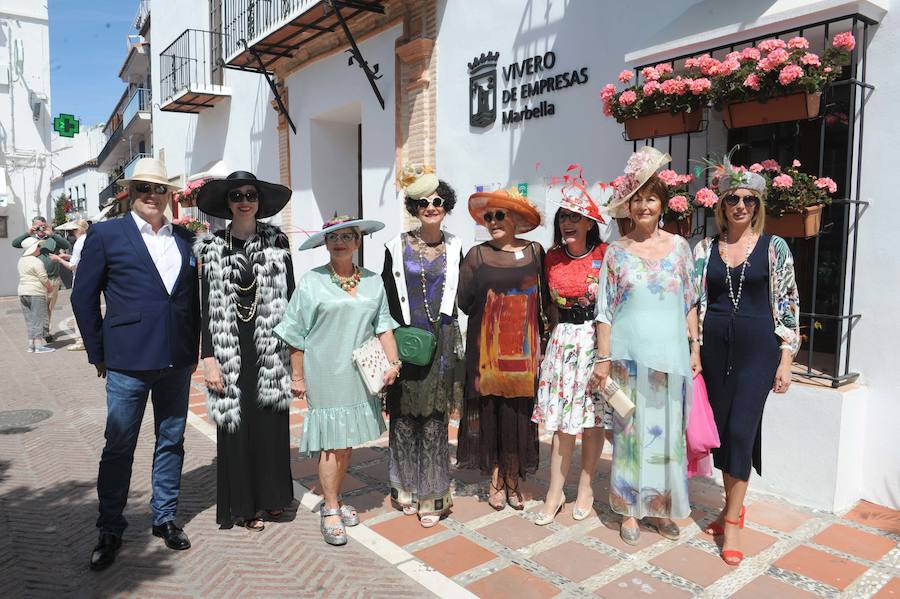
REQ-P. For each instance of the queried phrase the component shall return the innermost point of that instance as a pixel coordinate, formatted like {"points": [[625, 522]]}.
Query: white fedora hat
{"points": [[150, 170]]}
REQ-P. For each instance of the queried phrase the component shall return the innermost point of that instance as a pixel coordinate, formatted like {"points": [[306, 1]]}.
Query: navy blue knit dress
{"points": [[740, 355]]}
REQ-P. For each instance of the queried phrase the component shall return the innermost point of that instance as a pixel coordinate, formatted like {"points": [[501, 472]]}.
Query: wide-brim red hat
{"points": [[505, 199]]}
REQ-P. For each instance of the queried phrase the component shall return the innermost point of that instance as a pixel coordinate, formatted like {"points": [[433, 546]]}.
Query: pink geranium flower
{"points": [[708, 64], [756, 168], [617, 182], [798, 43], [750, 54], [699, 86], [678, 203], [826, 183], [771, 165], [626, 76], [676, 86], [706, 197], [789, 74], [627, 98], [752, 81], [733, 56], [651, 87], [669, 177], [783, 182], [663, 68], [845, 41], [608, 91], [810, 59], [827, 69], [685, 179], [650, 73], [795, 163], [771, 44]]}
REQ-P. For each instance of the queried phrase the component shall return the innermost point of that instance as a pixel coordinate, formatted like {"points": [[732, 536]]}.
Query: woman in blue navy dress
{"points": [[748, 313]]}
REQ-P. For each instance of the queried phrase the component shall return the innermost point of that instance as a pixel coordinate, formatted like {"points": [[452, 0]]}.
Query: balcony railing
{"points": [[129, 167], [139, 102], [191, 70], [110, 191], [143, 15], [115, 138], [248, 19]]}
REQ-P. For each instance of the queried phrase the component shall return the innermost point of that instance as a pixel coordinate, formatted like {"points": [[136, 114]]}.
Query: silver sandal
{"points": [[349, 515], [334, 534]]}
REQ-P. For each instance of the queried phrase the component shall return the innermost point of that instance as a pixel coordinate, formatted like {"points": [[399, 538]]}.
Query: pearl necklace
{"points": [[251, 309], [345, 283], [566, 250], [422, 276], [736, 301]]}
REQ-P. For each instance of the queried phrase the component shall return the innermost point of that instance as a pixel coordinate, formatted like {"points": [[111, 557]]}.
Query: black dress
{"points": [[253, 468], [740, 355]]}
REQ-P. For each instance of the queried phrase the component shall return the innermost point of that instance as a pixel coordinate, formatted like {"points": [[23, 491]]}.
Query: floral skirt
{"points": [[562, 404]]}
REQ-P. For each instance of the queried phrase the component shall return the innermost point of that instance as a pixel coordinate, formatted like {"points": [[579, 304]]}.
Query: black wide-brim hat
{"points": [[213, 196]]}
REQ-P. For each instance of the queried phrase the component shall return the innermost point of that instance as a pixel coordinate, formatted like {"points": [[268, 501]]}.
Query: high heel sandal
{"points": [[494, 492], [544, 518], [734, 557], [580, 514], [255, 524], [716, 529], [349, 515], [429, 520], [519, 503], [669, 530], [334, 534]]}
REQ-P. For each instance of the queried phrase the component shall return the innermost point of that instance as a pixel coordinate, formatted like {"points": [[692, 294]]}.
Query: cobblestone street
{"points": [[48, 506]]}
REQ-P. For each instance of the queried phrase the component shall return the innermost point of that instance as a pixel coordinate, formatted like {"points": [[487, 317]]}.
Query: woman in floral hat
{"points": [[502, 290], [749, 316], [645, 312], [572, 270], [420, 274], [337, 308]]}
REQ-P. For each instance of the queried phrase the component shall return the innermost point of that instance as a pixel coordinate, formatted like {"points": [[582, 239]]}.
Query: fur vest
{"points": [[269, 266]]}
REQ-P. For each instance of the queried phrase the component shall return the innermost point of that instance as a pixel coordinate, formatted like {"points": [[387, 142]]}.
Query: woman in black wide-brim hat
{"points": [[247, 281]]}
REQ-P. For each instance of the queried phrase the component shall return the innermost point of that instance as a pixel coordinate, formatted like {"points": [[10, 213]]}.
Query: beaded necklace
{"points": [[345, 283], [421, 247], [251, 309], [566, 250], [736, 300]]}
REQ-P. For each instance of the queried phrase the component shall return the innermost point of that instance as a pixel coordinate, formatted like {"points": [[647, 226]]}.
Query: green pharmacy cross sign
{"points": [[66, 125]]}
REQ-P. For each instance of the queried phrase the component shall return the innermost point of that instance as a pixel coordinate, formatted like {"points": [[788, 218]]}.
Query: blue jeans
{"points": [[126, 399]]}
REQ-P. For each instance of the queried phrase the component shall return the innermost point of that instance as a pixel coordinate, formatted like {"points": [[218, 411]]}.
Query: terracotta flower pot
{"points": [[779, 109], [679, 227], [661, 124], [805, 223]]}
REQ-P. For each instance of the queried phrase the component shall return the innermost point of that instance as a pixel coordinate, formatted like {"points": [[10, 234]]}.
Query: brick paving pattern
{"points": [[791, 551]]}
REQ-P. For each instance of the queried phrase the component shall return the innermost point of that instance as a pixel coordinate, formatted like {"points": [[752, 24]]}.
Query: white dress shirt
{"points": [[163, 250]]}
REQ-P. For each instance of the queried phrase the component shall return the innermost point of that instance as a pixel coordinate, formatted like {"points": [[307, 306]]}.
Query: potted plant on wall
{"points": [[773, 82], [664, 104], [187, 196], [794, 199]]}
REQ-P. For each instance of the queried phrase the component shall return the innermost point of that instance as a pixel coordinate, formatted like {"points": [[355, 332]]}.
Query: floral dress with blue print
{"points": [[646, 303]]}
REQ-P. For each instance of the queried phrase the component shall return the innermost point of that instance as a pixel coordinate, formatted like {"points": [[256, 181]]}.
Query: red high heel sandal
{"points": [[733, 557], [715, 529]]}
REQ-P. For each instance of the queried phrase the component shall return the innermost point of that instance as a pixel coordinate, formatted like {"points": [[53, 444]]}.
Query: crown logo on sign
{"points": [[484, 61]]}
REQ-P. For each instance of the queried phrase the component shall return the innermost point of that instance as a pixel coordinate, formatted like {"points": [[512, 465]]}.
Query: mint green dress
{"points": [[328, 323], [646, 303]]}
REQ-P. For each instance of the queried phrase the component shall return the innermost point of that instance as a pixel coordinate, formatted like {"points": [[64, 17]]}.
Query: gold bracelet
{"points": [[298, 380]]}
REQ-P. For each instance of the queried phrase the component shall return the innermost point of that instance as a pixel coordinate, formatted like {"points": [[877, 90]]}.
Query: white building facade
{"points": [[25, 122], [76, 175], [824, 446]]}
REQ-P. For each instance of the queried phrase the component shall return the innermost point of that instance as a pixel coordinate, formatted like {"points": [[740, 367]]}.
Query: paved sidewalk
{"points": [[792, 551], [48, 505]]}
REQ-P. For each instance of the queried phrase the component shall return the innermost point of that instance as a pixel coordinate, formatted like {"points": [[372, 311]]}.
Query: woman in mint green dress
{"points": [[335, 309], [645, 310]]}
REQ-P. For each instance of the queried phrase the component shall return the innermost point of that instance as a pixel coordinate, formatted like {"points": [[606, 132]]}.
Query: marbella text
{"points": [[545, 83]]}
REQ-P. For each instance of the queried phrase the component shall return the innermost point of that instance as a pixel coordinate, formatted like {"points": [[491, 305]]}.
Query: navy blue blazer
{"points": [[145, 328]]}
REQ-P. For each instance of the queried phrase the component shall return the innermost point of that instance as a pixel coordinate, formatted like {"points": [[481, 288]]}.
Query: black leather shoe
{"points": [[172, 535], [104, 553]]}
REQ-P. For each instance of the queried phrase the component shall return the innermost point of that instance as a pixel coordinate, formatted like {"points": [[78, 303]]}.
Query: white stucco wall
{"points": [[24, 141], [327, 98]]}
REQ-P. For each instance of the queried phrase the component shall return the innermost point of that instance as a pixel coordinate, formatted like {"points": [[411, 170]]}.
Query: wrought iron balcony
{"points": [[139, 102], [110, 145], [191, 72], [109, 192]]}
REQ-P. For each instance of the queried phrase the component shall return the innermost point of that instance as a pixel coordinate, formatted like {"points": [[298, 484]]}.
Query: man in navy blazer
{"points": [[146, 345]]}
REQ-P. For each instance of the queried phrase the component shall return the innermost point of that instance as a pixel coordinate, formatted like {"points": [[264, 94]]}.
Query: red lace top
{"points": [[573, 281]]}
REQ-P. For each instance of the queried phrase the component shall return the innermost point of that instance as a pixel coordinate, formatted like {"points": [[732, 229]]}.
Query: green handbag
{"points": [[415, 346]]}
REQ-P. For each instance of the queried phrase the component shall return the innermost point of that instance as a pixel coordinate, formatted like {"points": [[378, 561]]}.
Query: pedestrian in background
{"points": [[71, 263], [34, 287]]}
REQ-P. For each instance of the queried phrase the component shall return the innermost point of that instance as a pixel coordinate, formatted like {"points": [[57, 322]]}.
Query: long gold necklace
{"points": [[251, 309]]}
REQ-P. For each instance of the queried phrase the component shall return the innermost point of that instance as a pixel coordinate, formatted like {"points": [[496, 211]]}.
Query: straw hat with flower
{"points": [[642, 165], [505, 199]]}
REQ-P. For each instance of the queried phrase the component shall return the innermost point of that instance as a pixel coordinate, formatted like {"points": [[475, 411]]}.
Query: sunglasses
{"points": [[156, 188], [572, 217], [346, 237], [498, 216], [425, 203], [235, 196], [734, 199]]}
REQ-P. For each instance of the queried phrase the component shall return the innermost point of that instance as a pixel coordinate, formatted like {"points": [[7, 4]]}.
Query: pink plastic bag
{"points": [[701, 433]]}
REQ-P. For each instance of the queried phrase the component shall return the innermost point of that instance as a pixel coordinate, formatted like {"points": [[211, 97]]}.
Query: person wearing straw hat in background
{"points": [[420, 274], [749, 324], [146, 345], [34, 287], [645, 312], [336, 309], [79, 229], [502, 290], [247, 279], [563, 406]]}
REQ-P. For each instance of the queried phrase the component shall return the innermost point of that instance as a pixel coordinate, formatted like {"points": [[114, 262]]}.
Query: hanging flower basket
{"points": [[780, 109], [679, 227], [662, 124], [804, 223]]}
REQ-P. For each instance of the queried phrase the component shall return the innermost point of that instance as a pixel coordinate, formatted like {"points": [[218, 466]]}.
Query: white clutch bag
{"points": [[617, 400], [372, 363]]}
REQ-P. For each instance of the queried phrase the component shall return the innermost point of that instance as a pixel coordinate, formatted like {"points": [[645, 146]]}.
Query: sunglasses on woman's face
{"points": [[425, 203], [346, 237], [143, 187], [497, 216], [572, 217], [734, 199], [235, 196]]}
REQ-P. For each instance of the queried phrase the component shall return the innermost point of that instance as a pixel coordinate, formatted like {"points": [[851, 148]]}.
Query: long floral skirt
{"points": [[649, 467], [419, 468], [562, 404]]}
